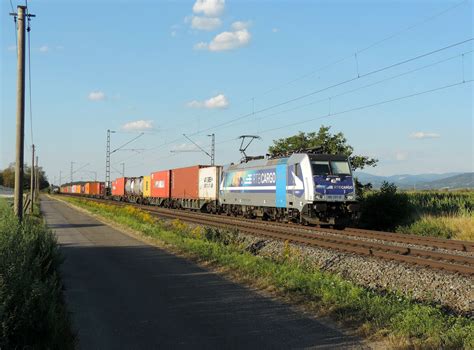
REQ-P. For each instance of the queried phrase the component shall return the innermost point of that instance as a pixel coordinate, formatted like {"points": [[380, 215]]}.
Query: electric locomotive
{"points": [[308, 188]]}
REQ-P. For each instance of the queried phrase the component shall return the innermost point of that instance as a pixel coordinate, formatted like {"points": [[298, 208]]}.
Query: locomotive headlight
{"points": [[319, 196]]}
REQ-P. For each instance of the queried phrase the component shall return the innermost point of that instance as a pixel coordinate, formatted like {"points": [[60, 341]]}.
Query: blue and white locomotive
{"points": [[303, 187]]}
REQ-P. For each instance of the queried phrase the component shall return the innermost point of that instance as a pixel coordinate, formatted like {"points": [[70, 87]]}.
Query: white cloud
{"points": [[218, 101], [205, 23], [44, 48], [11, 48], [138, 125], [200, 46], [96, 96], [174, 33], [59, 47], [211, 8], [240, 25], [275, 30], [240, 37], [424, 135]]}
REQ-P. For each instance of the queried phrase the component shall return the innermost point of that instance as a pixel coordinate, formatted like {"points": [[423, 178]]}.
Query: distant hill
{"points": [[421, 181], [457, 181]]}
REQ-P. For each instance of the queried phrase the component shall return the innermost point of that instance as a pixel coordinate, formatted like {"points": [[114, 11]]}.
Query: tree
{"points": [[7, 177], [329, 143]]}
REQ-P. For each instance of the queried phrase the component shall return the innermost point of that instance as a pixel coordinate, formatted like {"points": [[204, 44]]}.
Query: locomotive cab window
{"points": [[320, 167], [340, 168]]}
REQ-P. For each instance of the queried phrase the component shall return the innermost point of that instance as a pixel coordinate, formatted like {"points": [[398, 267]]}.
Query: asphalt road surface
{"points": [[124, 294]]}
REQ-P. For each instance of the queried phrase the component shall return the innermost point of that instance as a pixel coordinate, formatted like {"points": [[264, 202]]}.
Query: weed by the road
{"points": [[32, 311], [409, 323]]}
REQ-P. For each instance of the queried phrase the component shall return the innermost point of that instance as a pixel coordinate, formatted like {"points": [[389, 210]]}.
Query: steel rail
{"points": [[428, 258]]}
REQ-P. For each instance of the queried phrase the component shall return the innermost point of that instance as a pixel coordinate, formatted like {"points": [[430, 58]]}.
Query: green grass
{"points": [[406, 323], [32, 310]]}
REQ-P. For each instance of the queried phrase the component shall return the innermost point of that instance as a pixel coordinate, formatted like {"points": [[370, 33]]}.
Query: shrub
{"points": [[32, 310], [385, 209]]}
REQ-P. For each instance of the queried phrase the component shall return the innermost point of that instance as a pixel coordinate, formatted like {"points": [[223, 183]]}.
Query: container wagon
{"points": [[160, 182]]}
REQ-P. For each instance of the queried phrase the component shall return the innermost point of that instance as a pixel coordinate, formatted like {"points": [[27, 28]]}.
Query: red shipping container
{"points": [[94, 188], [160, 184], [118, 187], [185, 182]]}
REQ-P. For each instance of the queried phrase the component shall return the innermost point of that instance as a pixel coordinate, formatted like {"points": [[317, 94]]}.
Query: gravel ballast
{"points": [[453, 291]]}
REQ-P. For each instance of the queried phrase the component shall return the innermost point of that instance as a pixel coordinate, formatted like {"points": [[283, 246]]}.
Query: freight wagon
{"points": [[128, 189], [195, 187], [160, 191]]}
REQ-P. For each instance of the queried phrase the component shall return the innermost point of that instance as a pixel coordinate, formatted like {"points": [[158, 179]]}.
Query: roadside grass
{"points": [[407, 324], [32, 310]]}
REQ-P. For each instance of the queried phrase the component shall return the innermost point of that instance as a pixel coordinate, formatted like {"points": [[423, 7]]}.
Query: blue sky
{"points": [[174, 67]]}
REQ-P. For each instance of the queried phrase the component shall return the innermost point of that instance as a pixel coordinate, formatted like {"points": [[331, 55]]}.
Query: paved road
{"points": [[124, 294]]}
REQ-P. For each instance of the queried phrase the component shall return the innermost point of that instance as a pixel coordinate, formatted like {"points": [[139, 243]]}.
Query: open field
{"points": [[443, 214], [388, 316], [426, 213]]}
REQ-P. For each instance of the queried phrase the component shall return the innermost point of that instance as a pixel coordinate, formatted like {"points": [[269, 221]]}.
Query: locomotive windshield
{"points": [[334, 167]]}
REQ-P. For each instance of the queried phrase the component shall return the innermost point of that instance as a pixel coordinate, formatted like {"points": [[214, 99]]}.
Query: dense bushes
{"points": [[32, 311], [385, 209]]}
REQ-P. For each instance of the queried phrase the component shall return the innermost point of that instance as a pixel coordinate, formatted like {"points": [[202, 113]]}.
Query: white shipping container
{"points": [[209, 182]]}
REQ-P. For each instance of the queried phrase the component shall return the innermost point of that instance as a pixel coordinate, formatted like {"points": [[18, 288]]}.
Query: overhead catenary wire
{"points": [[378, 70], [327, 88], [366, 48], [330, 98], [444, 87], [375, 71], [357, 108], [345, 58]]}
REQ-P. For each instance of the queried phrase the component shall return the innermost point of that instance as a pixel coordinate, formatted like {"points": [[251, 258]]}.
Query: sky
{"points": [[392, 76]]}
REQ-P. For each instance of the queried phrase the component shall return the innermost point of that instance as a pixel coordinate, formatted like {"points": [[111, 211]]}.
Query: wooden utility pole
{"points": [[20, 111], [20, 114], [37, 178], [32, 178]]}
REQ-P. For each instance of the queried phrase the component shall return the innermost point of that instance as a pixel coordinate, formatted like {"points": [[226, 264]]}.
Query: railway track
{"points": [[379, 244]]}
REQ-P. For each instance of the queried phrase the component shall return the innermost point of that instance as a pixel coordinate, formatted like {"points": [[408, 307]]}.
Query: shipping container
{"points": [[185, 182], [134, 186], [94, 188], [160, 184], [76, 189], [146, 186], [209, 182], [118, 187]]}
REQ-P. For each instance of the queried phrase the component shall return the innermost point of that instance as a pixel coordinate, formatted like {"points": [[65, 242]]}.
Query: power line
{"points": [[330, 98], [315, 92], [368, 47], [335, 85], [353, 109], [28, 29], [372, 105], [15, 26]]}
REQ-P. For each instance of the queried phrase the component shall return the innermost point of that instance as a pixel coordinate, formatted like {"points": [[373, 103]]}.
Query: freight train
{"points": [[307, 188]]}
